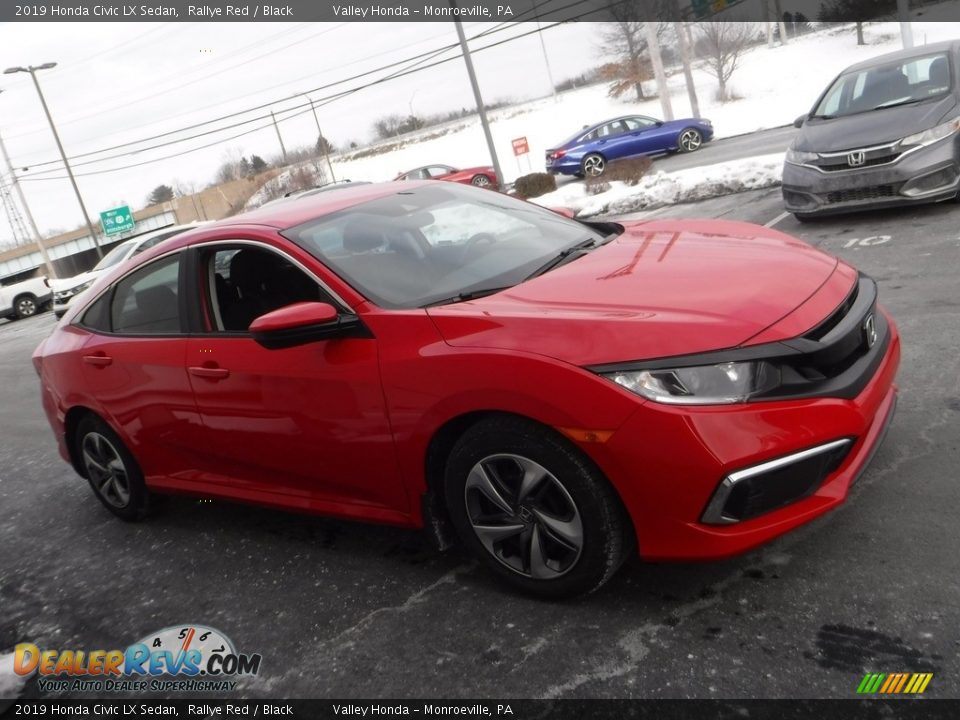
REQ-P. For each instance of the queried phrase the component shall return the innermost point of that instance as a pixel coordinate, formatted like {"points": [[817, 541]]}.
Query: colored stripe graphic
{"points": [[894, 683]]}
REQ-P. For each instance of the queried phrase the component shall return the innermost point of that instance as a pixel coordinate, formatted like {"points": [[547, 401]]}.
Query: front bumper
{"points": [[668, 462], [929, 174]]}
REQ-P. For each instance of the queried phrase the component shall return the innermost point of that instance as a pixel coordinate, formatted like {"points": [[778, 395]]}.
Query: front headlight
{"points": [[722, 384], [933, 134], [799, 157], [70, 292]]}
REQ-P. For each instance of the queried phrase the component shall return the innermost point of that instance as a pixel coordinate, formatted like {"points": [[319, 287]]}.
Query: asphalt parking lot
{"points": [[347, 610]]}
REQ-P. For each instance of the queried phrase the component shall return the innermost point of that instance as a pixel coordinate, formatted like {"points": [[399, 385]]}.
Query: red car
{"points": [[485, 177], [561, 393]]}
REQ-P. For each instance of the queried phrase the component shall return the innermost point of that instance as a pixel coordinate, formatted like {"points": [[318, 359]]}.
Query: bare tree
{"points": [[721, 44]]}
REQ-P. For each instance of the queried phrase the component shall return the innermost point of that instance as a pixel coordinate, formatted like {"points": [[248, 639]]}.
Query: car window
{"points": [[887, 85], [438, 171], [146, 302], [417, 247], [244, 282], [639, 123], [118, 254]]}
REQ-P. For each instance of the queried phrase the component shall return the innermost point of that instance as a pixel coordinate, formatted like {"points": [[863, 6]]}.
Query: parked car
{"points": [[885, 132], [588, 151], [482, 176], [562, 393], [24, 298], [66, 289]]}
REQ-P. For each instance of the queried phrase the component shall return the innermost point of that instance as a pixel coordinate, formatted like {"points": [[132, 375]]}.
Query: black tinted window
{"points": [[146, 302], [97, 316]]}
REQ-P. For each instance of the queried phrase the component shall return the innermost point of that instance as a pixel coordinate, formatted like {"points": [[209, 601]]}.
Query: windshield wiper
{"points": [[570, 253], [465, 296], [898, 104]]}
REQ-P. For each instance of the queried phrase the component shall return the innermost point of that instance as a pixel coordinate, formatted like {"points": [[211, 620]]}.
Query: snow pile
{"points": [[662, 188]]}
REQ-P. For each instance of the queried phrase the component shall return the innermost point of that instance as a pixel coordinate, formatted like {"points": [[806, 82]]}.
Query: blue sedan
{"points": [[588, 151]]}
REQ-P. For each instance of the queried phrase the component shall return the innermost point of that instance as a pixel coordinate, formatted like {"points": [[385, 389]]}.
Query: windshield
{"points": [[418, 246], [898, 83], [113, 257]]}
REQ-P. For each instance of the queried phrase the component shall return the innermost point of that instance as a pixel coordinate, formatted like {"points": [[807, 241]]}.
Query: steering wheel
{"points": [[480, 238]]}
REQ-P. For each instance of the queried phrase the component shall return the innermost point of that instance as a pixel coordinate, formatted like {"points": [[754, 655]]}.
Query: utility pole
{"points": [[782, 25], [326, 151], [653, 45], [37, 238], [279, 137], [53, 128], [479, 99], [906, 29], [543, 46], [687, 72]]}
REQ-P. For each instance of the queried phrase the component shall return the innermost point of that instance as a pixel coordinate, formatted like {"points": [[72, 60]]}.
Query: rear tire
{"points": [[112, 471], [534, 509], [25, 306], [593, 165]]}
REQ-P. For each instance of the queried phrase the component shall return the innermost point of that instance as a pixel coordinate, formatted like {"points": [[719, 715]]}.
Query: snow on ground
{"points": [[10, 682], [662, 188], [776, 85]]}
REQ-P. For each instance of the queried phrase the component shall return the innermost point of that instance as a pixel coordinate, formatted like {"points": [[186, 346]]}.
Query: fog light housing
{"points": [[760, 489], [931, 182]]}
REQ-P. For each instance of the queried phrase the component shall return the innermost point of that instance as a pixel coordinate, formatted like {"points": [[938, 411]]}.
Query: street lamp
{"points": [[32, 69], [326, 151], [37, 238]]}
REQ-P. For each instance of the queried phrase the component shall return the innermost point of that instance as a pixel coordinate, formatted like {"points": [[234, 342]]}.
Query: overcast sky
{"points": [[119, 82]]}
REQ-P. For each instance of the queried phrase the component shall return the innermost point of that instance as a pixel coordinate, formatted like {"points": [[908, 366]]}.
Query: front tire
{"points": [[25, 306], [113, 473], [534, 509], [689, 140], [481, 181]]}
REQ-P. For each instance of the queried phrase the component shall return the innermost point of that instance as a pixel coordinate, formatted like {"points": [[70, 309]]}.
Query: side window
{"points": [[438, 171], [639, 123], [97, 316], [146, 302], [245, 282]]}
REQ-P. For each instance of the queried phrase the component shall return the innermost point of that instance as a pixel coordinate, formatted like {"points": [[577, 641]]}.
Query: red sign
{"points": [[520, 146]]}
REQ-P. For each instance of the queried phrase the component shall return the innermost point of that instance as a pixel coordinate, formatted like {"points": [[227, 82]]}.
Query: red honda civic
{"points": [[561, 394], [483, 176]]}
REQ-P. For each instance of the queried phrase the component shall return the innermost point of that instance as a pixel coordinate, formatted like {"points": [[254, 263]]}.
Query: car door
{"points": [[643, 136], [439, 172], [303, 426], [133, 363], [617, 141]]}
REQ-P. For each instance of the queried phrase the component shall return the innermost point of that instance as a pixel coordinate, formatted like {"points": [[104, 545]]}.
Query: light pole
{"points": [[33, 76], [326, 151]]}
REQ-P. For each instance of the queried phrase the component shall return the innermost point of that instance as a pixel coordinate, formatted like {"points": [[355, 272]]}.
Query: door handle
{"points": [[97, 360], [210, 373]]}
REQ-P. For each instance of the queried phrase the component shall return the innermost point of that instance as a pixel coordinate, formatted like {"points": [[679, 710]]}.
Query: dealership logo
{"points": [[894, 683], [856, 159], [870, 330], [189, 657]]}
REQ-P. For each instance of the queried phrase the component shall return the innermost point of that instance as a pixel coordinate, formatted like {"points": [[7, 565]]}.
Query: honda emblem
{"points": [[856, 159]]}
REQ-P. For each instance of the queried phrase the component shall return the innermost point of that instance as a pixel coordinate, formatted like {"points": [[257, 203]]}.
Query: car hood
{"points": [[876, 127], [660, 289], [72, 282]]}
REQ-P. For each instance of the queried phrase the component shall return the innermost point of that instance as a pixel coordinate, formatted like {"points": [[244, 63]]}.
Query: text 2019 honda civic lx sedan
{"points": [[560, 393]]}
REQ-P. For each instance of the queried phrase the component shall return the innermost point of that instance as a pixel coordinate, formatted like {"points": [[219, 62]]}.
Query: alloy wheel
{"points": [[481, 181], [26, 307], [593, 166], [106, 469], [690, 140], [524, 516]]}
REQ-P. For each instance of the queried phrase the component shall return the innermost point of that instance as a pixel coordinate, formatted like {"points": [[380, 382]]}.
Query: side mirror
{"points": [[303, 323], [799, 121], [566, 212]]}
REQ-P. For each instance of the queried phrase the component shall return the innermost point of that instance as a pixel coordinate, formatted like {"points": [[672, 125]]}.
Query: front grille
{"points": [[874, 192], [843, 164]]}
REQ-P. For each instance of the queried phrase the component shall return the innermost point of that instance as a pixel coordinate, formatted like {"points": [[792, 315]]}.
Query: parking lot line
{"points": [[777, 219]]}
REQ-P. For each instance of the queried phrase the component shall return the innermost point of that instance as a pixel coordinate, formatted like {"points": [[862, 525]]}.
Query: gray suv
{"points": [[885, 132]]}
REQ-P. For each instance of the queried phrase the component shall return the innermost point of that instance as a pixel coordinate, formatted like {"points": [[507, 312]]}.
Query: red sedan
{"points": [[560, 393], [485, 177]]}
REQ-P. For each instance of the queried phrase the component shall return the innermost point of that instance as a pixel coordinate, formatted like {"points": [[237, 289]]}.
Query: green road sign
{"points": [[117, 220]]}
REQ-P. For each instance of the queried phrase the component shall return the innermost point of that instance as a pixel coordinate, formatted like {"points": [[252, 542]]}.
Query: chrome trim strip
{"points": [[713, 515]]}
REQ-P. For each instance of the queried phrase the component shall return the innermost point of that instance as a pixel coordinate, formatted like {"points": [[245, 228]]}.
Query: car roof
{"points": [[290, 214], [951, 46]]}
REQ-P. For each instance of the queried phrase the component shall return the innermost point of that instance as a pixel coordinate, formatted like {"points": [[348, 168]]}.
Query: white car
{"points": [[66, 289], [25, 298]]}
